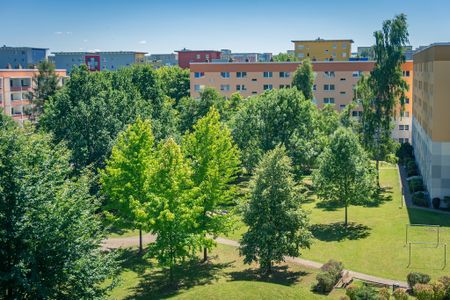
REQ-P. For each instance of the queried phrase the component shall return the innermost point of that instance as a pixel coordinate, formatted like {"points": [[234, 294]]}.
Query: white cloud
{"points": [[58, 32], [143, 42], [85, 40]]}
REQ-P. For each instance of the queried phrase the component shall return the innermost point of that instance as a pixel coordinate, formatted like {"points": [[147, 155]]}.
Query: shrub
{"points": [[405, 152], [416, 185], [363, 292], [438, 290], [445, 280], [411, 168], [351, 291], [423, 292], [327, 279], [420, 199], [384, 294], [436, 203], [414, 278], [400, 294], [344, 298], [325, 282], [446, 201]]}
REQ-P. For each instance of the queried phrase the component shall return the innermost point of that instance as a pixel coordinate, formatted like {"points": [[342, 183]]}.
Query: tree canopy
{"points": [[303, 79]]}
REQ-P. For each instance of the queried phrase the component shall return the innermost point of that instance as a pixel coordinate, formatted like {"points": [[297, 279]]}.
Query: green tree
{"points": [[276, 117], [384, 89], [175, 82], [280, 57], [303, 79], [214, 159], [192, 109], [45, 86], [50, 233], [124, 178], [344, 173], [277, 224], [172, 214], [90, 110]]}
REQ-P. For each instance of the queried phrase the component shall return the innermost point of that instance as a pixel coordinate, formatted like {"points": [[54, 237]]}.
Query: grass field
{"points": [[375, 243], [224, 277]]}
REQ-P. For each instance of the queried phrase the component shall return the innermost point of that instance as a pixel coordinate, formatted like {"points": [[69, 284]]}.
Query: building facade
{"points": [[98, 61], [186, 56], [431, 120], [16, 87], [334, 83], [228, 56], [21, 57], [169, 59], [323, 50]]}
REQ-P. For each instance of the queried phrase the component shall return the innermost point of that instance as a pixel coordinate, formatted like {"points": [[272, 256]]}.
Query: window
{"points": [[315, 87], [267, 74], [343, 93], [241, 87], [328, 100], [225, 87], [207, 56], [225, 74], [403, 127], [406, 100], [254, 79], [284, 74], [241, 74], [404, 114], [199, 74], [405, 73], [344, 46], [357, 74], [284, 86], [344, 55], [16, 110], [329, 74], [406, 127], [254, 92], [301, 47], [197, 56], [301, 55], [401, 140], [334, 46], [343, 79], [342, 106], [198, 87], [354, 113], [328, 87], [267, 87]]}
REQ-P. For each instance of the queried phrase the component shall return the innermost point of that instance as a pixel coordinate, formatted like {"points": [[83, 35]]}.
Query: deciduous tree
{"points": [[303, 79], [277, 224], [45, 86]]}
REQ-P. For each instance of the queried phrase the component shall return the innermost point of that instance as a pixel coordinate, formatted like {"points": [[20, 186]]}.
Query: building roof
{"points": [[188, 50], [420, 49], [98, 52], [323, 40], [4, 47]]}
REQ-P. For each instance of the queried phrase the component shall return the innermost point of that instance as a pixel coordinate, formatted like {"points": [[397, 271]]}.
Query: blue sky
{"points": [[164, 26]]}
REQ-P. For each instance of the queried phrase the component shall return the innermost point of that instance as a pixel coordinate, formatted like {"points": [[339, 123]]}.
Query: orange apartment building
{"points": [[334, 83], [16, 86]]}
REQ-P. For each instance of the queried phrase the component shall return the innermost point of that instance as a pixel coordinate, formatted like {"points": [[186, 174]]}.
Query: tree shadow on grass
{"points": [[156, 284], [338, 231], [280, 275]]}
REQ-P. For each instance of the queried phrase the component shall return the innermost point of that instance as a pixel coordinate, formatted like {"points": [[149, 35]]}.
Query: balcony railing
{"points": [[19, 88]]}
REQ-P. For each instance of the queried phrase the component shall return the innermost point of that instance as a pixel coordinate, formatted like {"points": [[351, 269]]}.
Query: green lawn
{"points": [[376, 242], [224, 277]]}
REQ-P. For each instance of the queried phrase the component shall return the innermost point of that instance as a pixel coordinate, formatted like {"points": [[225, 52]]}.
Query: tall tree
{"points": [[172, 212], [281, 57], [280, 116], [124, 178], [214, 159], [91, 109], [50, 233], [344, 174], [303, 79], [277, 226], [45, 86], [175, 82], [386, 88]]}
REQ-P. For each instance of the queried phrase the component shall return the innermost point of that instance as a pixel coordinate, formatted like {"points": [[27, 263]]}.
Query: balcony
{"points": [[19, 88]]}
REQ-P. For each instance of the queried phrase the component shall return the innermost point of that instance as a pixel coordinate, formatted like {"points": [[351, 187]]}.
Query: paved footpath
{"points": [[123, 242]]}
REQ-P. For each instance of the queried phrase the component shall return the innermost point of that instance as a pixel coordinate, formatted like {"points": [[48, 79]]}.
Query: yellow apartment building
{"points": [[431, 117], [323, 50]]}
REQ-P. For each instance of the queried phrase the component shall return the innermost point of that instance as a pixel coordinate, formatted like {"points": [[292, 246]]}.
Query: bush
{"points": [[414, 278], [400, 294], [423, 292], [384, 294], [327, 279], [416, 185], [420, 199], [438, 290], [411, 168], [446, 282], [405, 152], [436, 203], [325, 282], [363, 292]]}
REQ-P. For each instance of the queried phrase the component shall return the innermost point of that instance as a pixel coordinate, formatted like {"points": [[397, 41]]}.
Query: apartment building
{"points": [[98, 61], [431, 117], [15, 91], [186, 56], [158, 60], [334, 83], [21, 57], [323, 50], [227, 56]]}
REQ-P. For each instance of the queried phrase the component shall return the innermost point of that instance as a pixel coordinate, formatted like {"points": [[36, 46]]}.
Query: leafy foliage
{"points": [[277, 224], [414, 278], [327, 279], [344, 174], [174, 82], [45, 86], [303, 79], [50, 233], [281, 57]]}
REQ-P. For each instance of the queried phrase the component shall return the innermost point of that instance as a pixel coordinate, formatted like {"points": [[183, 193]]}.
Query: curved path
{"points": [[133, 241]]}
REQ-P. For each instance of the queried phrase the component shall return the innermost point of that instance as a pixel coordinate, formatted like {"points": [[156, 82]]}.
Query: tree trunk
{"points": [[140, 241], [346, 216], [205, 254], [378, 172]]}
